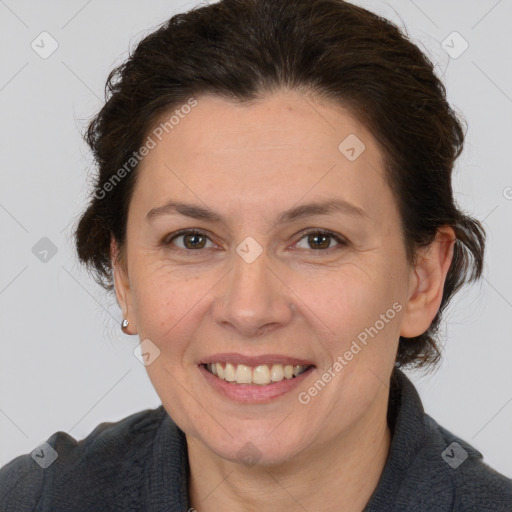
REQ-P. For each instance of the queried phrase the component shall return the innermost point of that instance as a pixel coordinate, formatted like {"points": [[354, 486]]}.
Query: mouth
{"points": [[261, 375], [254, 380]]}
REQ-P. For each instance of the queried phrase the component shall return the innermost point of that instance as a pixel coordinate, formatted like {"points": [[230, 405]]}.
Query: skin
{"points": [[250, 163]]}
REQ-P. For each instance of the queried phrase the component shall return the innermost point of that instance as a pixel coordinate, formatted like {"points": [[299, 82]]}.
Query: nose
{"points": [[253, 299]]}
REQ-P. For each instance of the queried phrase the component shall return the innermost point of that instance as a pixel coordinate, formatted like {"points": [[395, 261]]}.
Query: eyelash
{"points": [[341, 241]]}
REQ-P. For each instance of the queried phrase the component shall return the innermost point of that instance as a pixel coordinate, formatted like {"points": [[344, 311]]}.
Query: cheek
{"points": [[172, 308], [165, 304], [356, 313], [350, 297]]}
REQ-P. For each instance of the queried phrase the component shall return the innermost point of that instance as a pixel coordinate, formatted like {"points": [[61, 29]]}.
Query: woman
{"points": [[274, 212]]}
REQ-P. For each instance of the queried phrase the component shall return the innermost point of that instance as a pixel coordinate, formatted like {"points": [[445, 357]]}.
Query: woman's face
{"points": [[265, 286]]}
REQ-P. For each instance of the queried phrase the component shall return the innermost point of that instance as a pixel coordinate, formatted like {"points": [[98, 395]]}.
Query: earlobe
{"points": [[426, 284]]}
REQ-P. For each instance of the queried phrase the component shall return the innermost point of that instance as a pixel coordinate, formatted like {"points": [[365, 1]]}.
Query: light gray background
{"points": [[65, 364]]}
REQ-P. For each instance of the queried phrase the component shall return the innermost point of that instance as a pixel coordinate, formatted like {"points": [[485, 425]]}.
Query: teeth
{"points": [[262, 374], [229, 372], [243, 374], [277, 372]]}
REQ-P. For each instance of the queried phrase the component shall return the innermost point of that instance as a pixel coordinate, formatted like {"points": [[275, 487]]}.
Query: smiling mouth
{"points": [[262, 374]]}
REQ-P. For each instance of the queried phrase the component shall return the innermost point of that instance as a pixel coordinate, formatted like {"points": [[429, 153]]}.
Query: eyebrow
{"points": [[317, 208]]}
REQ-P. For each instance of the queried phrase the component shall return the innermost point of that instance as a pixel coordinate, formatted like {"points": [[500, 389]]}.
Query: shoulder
{"points": [[62, 466], [431, 469], [475, 486], [447, 473]]}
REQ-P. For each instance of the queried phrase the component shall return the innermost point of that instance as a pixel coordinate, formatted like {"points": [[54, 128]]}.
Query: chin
{"points": [[260, 449]]}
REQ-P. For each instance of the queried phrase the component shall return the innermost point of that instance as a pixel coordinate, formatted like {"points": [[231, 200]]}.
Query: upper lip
{"points": [[236, 358]]}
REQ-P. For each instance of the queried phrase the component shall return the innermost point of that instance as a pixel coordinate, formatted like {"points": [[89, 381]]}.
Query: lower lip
{"points": [[254, 393]]}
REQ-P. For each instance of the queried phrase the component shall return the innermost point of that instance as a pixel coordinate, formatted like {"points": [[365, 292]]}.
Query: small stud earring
{"points": [[124, 324]]}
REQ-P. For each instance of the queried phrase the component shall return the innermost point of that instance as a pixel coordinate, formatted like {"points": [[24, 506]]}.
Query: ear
{"points": [[426, 283], [122, 287]]}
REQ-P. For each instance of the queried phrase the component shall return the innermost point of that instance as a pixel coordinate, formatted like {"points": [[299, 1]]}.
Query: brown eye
{"points": [[321, 240], [194, 241], [191, 240]]}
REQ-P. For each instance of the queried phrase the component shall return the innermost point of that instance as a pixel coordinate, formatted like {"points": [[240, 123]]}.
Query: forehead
{"points": [[276, 150]]}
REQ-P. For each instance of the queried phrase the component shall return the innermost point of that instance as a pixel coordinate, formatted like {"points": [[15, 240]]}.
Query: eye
{"points": [[192, 240], [321, 239]]}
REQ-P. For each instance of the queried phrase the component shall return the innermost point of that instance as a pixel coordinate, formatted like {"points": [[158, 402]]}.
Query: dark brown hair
{"points": [[243, 49]]}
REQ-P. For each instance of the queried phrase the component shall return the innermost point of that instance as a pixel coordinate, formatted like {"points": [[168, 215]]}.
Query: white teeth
{"points": [[243, 374], [277, 373], [229, 372], [262, 374]]}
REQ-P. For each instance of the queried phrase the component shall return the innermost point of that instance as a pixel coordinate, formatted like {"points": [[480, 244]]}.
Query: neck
{"points": [[345, 469]]}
